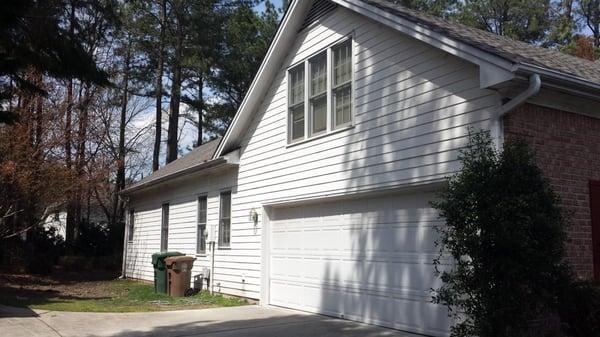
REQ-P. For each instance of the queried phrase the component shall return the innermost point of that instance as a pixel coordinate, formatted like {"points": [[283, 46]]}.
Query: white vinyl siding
{"points": [[183, 220], [411, 108]]}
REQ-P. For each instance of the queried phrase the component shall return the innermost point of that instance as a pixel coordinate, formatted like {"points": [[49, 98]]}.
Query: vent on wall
{"points": [[319, 9]]}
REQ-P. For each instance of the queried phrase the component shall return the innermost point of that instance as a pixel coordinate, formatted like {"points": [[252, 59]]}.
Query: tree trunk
{"points": [[117, 207], [80, 155], [70, 225], [175, 95], [39, 128], [158, 86], [200, 111]]}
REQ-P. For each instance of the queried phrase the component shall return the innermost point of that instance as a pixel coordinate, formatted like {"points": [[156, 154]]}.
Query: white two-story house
{"points": [[317, 197]]}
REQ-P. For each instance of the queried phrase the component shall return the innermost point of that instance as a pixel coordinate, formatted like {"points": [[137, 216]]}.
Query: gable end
{"points": [[319, 9]]}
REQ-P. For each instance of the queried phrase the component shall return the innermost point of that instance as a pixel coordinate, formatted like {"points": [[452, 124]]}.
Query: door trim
{"points": [[265, 282]]}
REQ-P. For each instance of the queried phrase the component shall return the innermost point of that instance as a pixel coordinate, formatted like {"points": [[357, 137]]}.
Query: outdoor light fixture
{"points": [[253, 216]]}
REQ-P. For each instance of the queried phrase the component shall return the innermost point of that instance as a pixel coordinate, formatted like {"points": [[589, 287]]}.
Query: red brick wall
{"points": [[567, 148]]}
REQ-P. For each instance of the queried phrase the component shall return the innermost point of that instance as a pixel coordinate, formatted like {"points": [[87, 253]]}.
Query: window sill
{"points": [[201, 255], [319, 136]]}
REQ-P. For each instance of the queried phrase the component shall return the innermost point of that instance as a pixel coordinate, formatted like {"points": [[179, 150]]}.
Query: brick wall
{"points": [[567, 148]]}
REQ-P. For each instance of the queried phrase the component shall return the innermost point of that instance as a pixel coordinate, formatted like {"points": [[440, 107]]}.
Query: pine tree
{"points": [[32, 36], [525, 20]]}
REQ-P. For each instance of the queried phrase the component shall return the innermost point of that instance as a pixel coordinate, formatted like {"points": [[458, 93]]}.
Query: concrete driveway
{"points": [[246, 321]]}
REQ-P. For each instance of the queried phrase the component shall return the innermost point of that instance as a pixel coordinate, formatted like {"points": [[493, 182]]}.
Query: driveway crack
{"points": [[48, 325]]}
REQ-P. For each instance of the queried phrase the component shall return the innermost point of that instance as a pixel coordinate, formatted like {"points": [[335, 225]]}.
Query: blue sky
{"points": [[261, 6]]}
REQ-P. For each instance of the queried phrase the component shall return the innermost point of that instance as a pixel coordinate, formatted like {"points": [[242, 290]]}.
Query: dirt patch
{"points": [[64, 286]]}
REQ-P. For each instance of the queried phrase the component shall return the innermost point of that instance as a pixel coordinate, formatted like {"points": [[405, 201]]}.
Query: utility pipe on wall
{"points": [[534, 87]]}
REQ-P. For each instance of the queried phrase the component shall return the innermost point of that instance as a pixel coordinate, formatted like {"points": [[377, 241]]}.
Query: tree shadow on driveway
{"points": [[247, 321]]}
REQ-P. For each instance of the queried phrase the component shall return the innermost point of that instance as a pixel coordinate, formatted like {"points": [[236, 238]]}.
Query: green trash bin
{"points": [[160, 270]]}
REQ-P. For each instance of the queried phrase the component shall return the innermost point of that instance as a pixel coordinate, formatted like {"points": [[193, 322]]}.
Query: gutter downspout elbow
{"points": [[534, 87]]}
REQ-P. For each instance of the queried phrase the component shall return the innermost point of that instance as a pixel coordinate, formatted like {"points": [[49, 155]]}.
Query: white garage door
{"points": [[368, 260]]}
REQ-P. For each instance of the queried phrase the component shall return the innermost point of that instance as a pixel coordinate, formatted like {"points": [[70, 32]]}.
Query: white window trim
{"points": [[220, 245], [162, 225], [352, 88], [327, 94], [289, 124], [198, 224], [331, 128], [131, 226]]}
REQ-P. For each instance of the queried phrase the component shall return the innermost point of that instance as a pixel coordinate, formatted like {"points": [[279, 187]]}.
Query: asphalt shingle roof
{"points": [[197, 156], [501, 46]]}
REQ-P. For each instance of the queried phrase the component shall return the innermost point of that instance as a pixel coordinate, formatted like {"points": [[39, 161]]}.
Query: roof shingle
{"points": [[202, 154], [501, 46]]}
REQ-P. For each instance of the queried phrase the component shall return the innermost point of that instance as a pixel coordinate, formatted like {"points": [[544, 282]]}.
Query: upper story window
{"points": [[342, 84], [320, 93], [296, 104]]}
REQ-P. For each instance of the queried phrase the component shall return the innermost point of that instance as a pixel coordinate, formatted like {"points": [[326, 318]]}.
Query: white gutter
{"points": [[534, 87]]}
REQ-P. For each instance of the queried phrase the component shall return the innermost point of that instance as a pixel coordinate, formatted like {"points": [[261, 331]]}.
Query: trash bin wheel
{"points": [[190, 292]]}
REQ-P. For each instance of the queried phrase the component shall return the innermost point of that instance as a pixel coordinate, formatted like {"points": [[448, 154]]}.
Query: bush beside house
{"points": [[506, 232]]}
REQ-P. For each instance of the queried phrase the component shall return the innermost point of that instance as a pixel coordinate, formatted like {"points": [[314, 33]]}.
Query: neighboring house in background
{"points": [[317, 198], [55, 217]]}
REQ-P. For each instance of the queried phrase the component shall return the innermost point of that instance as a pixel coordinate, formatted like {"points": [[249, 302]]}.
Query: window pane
{"points": [[164, 237], [319, 114], [131, 224], [342, 63], [201, 244], [343, 105], [296, 79], [225, 232], [297, 122], [202, 210], [318, 75], [201, 232], [225, 219]]}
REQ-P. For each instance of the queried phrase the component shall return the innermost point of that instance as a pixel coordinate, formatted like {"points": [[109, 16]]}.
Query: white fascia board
{"points": [[283, 39]]}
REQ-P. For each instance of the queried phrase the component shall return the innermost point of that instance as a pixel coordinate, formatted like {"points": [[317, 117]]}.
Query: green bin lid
{"points": [[163, 255]]}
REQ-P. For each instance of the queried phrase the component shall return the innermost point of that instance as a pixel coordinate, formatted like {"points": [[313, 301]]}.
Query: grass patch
{"points": [[117, 296]]}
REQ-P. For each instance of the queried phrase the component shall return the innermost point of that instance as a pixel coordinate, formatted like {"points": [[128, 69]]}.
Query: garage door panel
{"points": [[375, 274], [365, 259], [411, 237]]}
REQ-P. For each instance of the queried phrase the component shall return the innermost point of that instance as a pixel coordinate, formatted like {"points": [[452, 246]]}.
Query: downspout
{"points": [[534, 87], [125, 244], [212, 245]]}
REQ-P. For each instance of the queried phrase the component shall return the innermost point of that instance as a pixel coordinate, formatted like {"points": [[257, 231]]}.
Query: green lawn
{"points": [[114, 296]]}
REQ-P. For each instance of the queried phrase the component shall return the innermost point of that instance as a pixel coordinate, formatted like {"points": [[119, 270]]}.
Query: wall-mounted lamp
{"points": [[253, 216]]}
